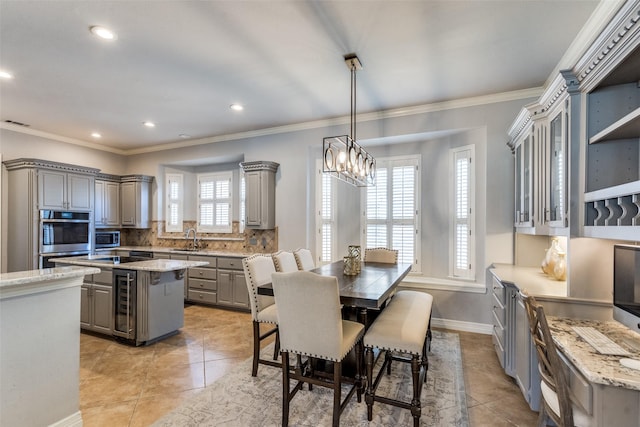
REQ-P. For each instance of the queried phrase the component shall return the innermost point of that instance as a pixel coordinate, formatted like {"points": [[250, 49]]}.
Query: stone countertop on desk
{"points": [[597, 368], [159, 265], [180, 251], [531, 279]]}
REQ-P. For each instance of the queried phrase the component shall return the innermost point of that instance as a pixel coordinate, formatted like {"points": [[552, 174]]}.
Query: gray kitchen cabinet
{"points": [[203, 286], [65, 191], [96, 303], [232, 287], [107, 201], [260, 198], [135, 201], [512, 341], [181, 258]]}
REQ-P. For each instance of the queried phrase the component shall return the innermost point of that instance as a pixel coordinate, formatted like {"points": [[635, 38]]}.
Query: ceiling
{"points": [[181, 64]]}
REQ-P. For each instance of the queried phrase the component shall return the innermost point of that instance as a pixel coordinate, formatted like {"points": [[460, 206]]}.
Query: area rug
{"points": [[238, 399]]}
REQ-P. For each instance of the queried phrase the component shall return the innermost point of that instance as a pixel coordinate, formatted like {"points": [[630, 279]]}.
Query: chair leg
{"points": [[425, 359], [256, 348], [387, 357], [416, 410], [337, 392], [285, 389], [542, 417], [359, 381], [276, 347], [368, 397]]}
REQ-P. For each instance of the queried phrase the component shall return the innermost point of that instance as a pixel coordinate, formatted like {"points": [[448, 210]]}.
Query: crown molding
{"points": [[296, 127]]}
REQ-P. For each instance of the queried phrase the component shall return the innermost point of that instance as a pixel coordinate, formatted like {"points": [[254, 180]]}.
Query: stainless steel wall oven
{"points": [[64, 231]]}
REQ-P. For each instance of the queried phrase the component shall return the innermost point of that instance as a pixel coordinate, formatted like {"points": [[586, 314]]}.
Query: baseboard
{"points": [[459, 325], [73, 420]]}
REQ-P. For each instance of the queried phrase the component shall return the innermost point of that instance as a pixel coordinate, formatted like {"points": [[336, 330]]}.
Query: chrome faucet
{"points": [[195, 237]]}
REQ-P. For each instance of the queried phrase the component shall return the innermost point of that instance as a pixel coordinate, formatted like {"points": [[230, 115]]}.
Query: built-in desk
{"points": [[606, 390]]}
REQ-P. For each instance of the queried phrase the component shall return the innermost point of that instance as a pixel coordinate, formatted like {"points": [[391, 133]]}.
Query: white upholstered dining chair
{"points": [[304, 259], [285, 262], [257, 271], [556, 400], [311, 324], [389, 256]]}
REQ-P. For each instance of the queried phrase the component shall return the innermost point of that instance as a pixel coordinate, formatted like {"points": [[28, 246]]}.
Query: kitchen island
{"points": [[40, 359], [137, 301]]}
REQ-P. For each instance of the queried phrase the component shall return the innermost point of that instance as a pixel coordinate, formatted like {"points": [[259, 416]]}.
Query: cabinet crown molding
{"points": [[259, 165], [46, 164], [108, 177], [136, 178]]}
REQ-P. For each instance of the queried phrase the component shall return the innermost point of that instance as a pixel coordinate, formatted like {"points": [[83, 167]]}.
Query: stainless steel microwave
{"points": [[107, 239]]}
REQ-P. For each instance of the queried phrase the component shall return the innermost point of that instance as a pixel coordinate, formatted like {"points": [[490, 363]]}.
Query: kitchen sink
{"points": [[184, 250]]}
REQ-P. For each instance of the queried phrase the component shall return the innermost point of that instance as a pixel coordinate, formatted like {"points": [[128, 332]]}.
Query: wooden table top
{"points": [[368, 289]]}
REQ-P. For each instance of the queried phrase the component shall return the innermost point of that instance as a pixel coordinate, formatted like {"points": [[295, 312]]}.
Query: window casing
{"points": [[326, 225], [214, 202], [391, 209], [174, 202], [463, 213], [243, 201]]}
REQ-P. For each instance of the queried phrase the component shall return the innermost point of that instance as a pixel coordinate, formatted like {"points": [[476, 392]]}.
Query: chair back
{"points": [[285, 262], [389, 256], [549, 363], [304, 259], [309, 315], [257, 271]]}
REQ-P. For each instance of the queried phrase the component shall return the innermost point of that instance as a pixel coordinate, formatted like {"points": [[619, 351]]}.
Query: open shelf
{"points": [[626, 128]]}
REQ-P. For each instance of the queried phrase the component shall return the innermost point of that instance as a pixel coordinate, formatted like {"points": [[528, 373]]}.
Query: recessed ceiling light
{"points": [[236, 107], [5, 74], [149, 124], [184, 135], [96, 135], [102, 32]]}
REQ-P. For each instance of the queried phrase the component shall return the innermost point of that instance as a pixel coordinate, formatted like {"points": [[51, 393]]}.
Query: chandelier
{"points": [[343, 157]]}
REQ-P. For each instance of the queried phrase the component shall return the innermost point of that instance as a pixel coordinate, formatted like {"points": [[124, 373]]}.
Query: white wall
{"points": [[484, 126]]}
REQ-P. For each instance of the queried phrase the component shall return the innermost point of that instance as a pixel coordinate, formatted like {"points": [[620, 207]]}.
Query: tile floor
{"points": [[124, 386]]}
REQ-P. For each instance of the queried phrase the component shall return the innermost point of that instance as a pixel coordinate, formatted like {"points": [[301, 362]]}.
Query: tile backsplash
{"points": [[248, 241]]}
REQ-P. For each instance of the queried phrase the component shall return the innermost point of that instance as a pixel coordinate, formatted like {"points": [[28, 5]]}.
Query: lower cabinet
{"points": [[513, 343], [96, 303], [232, 287], [203, 287]]}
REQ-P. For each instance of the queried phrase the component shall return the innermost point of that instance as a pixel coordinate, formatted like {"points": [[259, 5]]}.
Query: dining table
{"points": [[365, 291]]}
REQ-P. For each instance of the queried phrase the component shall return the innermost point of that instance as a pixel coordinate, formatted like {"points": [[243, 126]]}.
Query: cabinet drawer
{"points": [[103, 278], [203, 296], [498, 331], [579, 387], [210, 259], [499, 291], [498, 311], [230, 263], [202, 273], [498, 347], [202, 284]]}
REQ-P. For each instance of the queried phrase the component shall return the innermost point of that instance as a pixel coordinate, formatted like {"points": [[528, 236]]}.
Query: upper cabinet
{"points": [[539, 138], [260, 199], [610, 82], [65, 190], [135, 202], [107, 201]]}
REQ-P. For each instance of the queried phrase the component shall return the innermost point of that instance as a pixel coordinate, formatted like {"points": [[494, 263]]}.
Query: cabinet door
{"points": [[522, 349], [80, 192], [253, 202], [225, 288], [240, 292], [85, 307], [102, 308], [524, 182], [557, 207], [51, 189], [128, 203], [112, 204], [99, 205]]}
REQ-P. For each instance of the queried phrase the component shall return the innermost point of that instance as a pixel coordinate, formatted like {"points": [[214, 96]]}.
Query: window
{"points": [[463, 218], [175, 202], [214, 202], [391, 209], [326, 218]]}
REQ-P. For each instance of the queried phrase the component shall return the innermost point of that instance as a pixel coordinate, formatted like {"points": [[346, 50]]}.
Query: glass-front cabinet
{"points": [[556, 206], [523, 183]]}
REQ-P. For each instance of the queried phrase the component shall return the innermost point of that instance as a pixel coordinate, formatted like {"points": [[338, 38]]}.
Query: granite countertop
{"points": [[169, 250], [29, 282], [597, 368], [159, 265], [531, 279]]}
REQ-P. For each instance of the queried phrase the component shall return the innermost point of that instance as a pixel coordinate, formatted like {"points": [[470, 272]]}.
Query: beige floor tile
{"points": [[148, 410], [215, 369], [111, 388], [162, 379], [112, 415]]}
